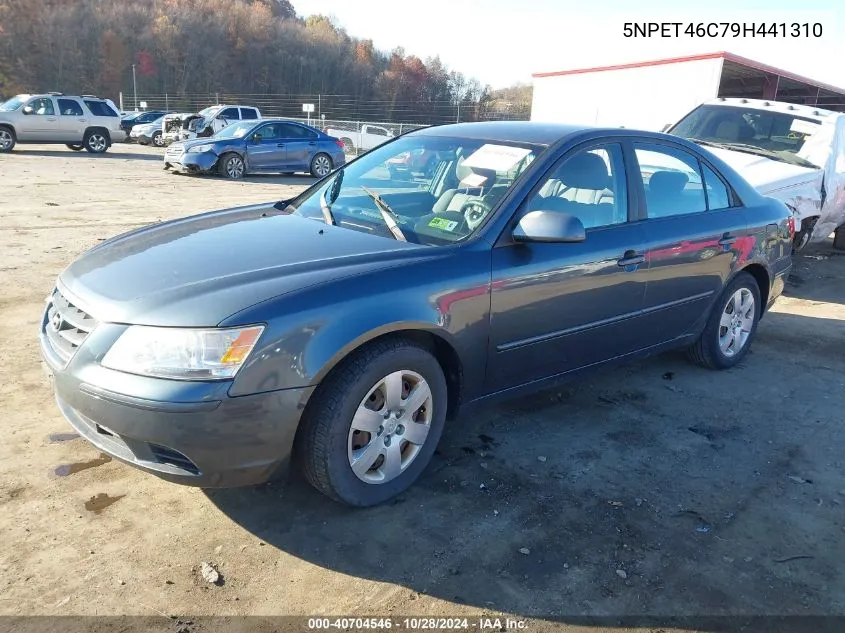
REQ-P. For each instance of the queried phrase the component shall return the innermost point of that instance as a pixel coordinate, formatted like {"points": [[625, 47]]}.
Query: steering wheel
{"points": [[474, 211]]}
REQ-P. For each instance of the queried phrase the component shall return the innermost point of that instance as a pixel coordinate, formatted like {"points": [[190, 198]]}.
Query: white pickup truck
{"points": [[795, 153], [206, 122], [367, 138]]}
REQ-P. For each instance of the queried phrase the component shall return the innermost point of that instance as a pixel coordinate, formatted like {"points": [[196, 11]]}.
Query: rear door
{"points": [[43, 122], [559, 307], [72, 120], [268, 153], [301, 146], [696, 234]]}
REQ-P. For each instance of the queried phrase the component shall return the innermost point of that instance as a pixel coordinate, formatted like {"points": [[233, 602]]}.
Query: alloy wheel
{"points": [[158, 141], [322, 165], [6, 140], [97, 142], [235, 167], [390, 427], [737, 322]]}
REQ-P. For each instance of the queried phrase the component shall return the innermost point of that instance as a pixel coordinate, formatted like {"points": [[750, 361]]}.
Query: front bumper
{"points": [[190, 433], [191, 161]]}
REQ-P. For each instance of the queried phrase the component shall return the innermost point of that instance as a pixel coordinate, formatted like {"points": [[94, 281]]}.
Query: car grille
{"points": [[66, 326]]}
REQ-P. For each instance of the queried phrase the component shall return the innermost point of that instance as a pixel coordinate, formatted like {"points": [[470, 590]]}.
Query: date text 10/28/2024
{"points": [[418, 623], [785, 30]]}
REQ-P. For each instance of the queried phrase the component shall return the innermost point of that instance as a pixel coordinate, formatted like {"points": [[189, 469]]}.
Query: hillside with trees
{"points": [[191, 49]]}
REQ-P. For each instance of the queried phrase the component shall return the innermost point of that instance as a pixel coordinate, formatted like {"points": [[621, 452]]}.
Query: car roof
{"points": [[531, 132]]}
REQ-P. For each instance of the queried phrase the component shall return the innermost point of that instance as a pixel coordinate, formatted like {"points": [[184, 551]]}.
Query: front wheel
{"points": [[373, 424], [321, 165], [96, 142], [731, 325], [231, 166], [75, 148], [7, 139], [158, 141]]}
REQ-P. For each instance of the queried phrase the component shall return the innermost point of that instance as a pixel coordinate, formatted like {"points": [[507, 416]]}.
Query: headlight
{"points": [[208, 147], [181, 353]]}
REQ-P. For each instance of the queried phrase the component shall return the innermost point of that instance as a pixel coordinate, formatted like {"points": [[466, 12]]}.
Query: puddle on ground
{"points": [[62, 437], [69, 469], [100, 502]]}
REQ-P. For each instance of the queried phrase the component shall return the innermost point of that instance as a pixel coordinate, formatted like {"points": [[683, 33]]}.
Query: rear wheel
{"points": [[373, 424], [231, 166], [7, 139], [96, 141], [731, 325], [348, 145], [75, 148], [321, 165]]}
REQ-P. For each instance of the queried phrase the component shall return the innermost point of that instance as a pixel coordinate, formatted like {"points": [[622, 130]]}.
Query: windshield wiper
{"points": [[325, 204], [784, 157], [388, 214]]}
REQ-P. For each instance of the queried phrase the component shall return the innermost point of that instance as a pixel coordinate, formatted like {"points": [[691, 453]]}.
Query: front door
{"points": [[559, 307], [41, 124], [266, 149], [695, 235]]}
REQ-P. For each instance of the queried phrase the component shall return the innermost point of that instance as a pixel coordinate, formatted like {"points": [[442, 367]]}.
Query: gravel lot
{"points": [[657, 488]]}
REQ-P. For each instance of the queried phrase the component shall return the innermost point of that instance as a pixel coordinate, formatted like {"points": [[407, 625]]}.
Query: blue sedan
{"points": [[267, 145]]}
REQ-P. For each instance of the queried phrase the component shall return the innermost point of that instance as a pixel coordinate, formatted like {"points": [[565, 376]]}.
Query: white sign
{"points": [[143, 104], [308, 107], [496, 157]]}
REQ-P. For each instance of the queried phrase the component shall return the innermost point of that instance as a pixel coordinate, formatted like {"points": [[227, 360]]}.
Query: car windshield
{"points": [[423, 189], [12, 104], [238, 130], [209, 112], [776, 135]]}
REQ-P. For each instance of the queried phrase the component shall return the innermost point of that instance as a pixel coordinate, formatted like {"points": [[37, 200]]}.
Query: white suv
{"points": [[79, 122]]}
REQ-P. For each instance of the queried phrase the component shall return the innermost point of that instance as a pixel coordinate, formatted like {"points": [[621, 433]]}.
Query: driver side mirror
{"points": [[549, 226], [28, 110]]}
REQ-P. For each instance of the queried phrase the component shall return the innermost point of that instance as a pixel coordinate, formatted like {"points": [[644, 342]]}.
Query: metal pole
{"points": [[134, 87], [319, 105], [166, 103], [458, 119]]}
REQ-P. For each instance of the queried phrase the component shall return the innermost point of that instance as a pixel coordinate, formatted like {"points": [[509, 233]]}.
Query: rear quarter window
{"points": [[100, 108]]}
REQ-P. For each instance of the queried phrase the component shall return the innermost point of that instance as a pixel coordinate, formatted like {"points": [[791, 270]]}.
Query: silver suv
{"points": [[79, 122]]}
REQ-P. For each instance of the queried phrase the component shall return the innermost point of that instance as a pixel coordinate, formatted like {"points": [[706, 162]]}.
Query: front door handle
{"points": [[727, 240], [312, 143], [51, 118], [280, 145], [631, 258]]}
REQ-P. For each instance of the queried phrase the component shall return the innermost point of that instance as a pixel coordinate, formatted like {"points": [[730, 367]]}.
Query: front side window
{"points": [[269, 132], [42, 107], [450, 189], [589, 185], [230, 114], [69, 107], [776, 135], [671, 179]]}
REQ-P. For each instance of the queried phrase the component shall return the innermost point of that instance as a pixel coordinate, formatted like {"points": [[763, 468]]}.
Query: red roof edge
{"points": [[692, 58], [654, 62]]}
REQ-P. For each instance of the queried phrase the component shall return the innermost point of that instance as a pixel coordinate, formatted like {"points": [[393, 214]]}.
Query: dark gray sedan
{"points": [[345, 326], [265, 145]]}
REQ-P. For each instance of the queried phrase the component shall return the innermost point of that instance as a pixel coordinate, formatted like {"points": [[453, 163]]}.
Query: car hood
{"points": [[198, 271], [767, 175]]}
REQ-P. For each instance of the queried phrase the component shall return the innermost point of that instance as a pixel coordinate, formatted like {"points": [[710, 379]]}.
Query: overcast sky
{"points": [[503, 41]]}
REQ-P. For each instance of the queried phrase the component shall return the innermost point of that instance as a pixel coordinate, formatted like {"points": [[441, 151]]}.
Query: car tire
{"points": [[326, 444], [96, 141], [348, 145], [157, 140], [731, 325], [839, 238], [231, 166], [74, 147], [321, 165], [7, 139]]}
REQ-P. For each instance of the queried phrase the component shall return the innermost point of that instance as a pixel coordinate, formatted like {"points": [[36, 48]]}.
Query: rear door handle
{"points": [[280, 145], [727, 240], [631, 258]]}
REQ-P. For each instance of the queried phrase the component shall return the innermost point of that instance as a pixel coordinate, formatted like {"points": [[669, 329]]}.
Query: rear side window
{"points": [[290, 130], [69, 107], [717, 192], [671, 179], [230, 114], [247, 114], [100, 108]]}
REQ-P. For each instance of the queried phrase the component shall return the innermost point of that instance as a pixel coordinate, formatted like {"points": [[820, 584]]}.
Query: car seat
{"points": [[665, 193]]}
